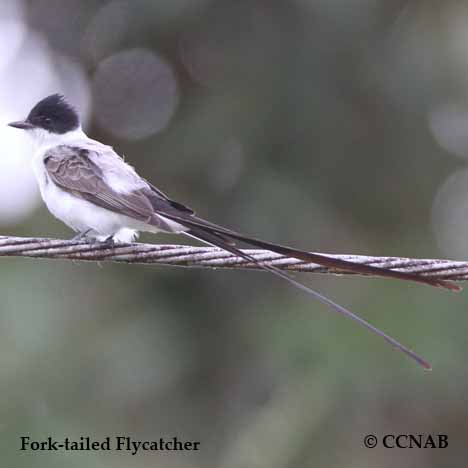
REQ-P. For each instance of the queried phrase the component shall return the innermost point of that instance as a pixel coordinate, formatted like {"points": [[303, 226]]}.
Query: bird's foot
{"points": [[81, 235], [109, 241]]}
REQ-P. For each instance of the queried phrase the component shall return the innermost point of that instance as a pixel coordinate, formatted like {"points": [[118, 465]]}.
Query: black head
{"points": [[53, 114]]}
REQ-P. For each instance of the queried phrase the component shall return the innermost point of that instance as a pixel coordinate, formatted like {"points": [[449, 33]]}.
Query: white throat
{"points": [[43, 138]]}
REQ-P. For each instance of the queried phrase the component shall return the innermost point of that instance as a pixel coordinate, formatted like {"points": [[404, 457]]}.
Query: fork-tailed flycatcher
{"points": [[89, 187]]}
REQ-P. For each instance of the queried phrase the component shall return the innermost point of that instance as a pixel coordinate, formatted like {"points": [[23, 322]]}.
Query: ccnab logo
{"points": [[415, 441]]}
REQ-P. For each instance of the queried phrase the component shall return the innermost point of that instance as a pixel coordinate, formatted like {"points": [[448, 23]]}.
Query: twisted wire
{"points": [[212, 257]]}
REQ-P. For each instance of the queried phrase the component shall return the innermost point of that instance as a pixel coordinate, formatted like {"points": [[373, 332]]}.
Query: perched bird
{"points": [[89, 187]]}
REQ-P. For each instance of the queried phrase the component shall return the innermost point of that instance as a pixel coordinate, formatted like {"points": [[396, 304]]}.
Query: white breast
{"points": [[79, 214]]}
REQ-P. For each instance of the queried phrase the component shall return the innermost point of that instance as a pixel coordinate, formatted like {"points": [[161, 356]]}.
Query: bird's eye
{"points": [[47, 120]]}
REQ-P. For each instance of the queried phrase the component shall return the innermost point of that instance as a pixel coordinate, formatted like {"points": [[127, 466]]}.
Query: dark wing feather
{"points": [[73, 170], [158, 195]]}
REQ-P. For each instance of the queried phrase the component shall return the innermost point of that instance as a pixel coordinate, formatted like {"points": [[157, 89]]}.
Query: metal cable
{"points": [[212, 257]]}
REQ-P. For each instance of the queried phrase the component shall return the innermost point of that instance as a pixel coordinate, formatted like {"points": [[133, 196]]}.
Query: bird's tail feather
{"points": [[335, 263], [207, 235]]}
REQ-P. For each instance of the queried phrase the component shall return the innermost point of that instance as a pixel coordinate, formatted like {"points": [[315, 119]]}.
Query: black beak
{"points": [[22, 124]]}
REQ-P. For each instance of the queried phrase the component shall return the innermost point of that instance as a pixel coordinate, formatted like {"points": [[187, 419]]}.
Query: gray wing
{"points": [[75, 170]]}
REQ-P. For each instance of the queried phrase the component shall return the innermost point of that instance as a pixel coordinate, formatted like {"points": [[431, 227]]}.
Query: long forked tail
{"points": [[195, 223], [207, 235]]}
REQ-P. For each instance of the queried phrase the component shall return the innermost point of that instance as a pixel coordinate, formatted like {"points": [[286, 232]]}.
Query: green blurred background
{"points": [[330, 125]]}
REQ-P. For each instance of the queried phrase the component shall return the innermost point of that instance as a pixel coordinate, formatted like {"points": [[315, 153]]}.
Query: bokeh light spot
{"points": [[450, 216], [449, 125], [135, 94]]}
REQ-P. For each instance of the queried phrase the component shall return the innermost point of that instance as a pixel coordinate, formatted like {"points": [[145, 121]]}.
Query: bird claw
{"points": [[109, 241], [81, 235]]}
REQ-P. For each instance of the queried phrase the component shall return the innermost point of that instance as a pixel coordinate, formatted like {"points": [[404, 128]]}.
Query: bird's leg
{"points": [[109, 241], [81, 235]]}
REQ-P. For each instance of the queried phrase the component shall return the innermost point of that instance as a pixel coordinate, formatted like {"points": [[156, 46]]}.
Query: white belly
{"points": [[81, 215]]}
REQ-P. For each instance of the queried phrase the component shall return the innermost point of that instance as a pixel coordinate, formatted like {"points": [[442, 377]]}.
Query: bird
{"points": [[88, 186]]}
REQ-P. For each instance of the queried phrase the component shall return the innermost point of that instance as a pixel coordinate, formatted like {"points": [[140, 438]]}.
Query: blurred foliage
{"points": [[303, 122]]}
